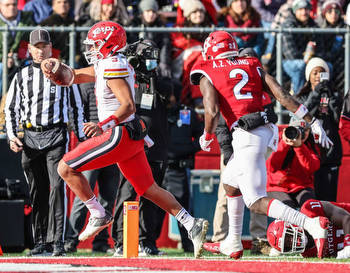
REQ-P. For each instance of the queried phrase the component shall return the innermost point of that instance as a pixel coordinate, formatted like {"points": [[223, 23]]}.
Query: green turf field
{"points": [[176, 253]]}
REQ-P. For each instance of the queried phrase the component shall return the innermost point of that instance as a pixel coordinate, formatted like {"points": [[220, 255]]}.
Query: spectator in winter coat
{"points": [[149, 17], [240, 14], [325, 103], [187, 50], [331, 17], [296, 52]]}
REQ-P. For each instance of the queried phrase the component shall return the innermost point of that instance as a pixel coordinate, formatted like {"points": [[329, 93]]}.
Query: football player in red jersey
{"points": [[234, 86], [119, 136], [287, 238]]}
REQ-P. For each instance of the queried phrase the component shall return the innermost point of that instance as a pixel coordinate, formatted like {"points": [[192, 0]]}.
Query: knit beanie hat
{"points": [[331, 4], [315, 62], [148, 5], [300, 4], [190, 6]]}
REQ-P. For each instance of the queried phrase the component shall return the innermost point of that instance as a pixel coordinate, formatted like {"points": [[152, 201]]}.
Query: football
{"points": [[57, 72]]}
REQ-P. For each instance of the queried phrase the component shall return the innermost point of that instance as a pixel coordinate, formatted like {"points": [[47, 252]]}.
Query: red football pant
{"points": [[114, 146]]}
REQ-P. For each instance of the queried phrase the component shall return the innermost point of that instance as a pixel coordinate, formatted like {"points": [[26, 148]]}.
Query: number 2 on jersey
{"points": [[238, 87]]}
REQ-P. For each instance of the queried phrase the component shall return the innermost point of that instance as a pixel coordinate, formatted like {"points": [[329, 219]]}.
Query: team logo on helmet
{"points": [[104, 30], [219, 44]]}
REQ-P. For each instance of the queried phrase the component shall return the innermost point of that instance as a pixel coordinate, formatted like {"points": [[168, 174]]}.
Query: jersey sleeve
{"points": [[197, 72], [116, 67], [312, 208]]}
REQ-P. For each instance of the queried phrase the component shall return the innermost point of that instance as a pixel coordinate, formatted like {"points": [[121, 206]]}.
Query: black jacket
{"points": [[329, 117], [155, 118], [183, 138]]}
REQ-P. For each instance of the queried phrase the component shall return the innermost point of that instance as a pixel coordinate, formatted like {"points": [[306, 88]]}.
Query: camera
{"points": [[139, 53], [324, 76], [293, 132]]}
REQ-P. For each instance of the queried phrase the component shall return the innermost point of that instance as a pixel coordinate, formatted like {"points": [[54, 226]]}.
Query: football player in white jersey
{"points": [[118, 137]]}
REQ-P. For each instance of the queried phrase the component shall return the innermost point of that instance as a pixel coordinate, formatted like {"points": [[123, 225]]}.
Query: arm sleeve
{"points": [[277, 158], [335, 105], [76, 110], [197, 130], [224, 138], [12, 109], [307, 158], [312, 102]]}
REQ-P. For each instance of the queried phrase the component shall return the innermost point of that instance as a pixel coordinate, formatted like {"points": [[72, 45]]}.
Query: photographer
{"points": [[152, 95], [325, 103], [290, 170]]}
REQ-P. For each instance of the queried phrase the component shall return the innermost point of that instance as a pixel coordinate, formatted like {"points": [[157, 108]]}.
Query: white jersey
{"points": [[111, 68]]}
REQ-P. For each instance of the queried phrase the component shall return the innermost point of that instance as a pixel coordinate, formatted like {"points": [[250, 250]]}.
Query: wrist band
{"points": [[108, 123], [208, 136], [301, 112]]}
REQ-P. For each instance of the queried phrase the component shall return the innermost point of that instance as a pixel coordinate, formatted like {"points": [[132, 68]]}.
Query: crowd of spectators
{"points": [[303, 53], [179, 51]]}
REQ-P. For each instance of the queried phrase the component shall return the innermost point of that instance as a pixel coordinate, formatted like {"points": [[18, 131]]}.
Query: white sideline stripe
{"points": [[97, 151]]}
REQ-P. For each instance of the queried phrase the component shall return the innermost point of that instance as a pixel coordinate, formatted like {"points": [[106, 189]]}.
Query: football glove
{"points": [[319, 133], [206, 140]]}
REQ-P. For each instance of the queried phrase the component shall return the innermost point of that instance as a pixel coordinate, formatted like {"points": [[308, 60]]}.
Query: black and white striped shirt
{"points": [[34, 98]]}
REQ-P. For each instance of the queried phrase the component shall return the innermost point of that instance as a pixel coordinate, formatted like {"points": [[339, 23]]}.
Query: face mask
{"points": [[151, 64]]}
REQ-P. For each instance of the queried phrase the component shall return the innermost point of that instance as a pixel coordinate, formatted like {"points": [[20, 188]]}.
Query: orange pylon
{"points": [[1, 253]]}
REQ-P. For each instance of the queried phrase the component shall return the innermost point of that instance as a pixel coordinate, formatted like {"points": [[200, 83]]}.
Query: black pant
{"points": [[293, 200], [47, 192], [326, 183], [176, 181], [107, 178], [151, 216]]}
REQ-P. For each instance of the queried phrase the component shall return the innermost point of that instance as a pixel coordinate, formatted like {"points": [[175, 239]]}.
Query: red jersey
{"points": [[237, 82], [313, 208]]}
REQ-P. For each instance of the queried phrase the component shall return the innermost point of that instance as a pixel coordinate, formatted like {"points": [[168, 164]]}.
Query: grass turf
{"points": [[178, 253]]}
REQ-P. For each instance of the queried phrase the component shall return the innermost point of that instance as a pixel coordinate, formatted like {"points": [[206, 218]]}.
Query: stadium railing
{"points": [[73, 30]]}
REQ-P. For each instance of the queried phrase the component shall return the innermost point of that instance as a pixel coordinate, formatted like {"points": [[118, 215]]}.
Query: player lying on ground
{"points": [[288, 238], [234, 86], [118, 137]]}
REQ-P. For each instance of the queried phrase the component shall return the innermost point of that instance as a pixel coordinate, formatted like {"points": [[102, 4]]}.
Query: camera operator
{"points": [[290, 170], [152, 95], [324, 103], [185, 129]]}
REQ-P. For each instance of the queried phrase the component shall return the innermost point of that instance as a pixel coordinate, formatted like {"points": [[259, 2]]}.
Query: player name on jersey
{"points": [[226, 62]]}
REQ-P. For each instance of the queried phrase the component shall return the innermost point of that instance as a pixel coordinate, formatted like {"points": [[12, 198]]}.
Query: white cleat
{"points": [[344, 253], [197, 235], [95, 225], [318, 229]]}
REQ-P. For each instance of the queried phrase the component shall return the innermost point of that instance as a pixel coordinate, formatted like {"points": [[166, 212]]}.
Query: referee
{"points": [[43, 108]]}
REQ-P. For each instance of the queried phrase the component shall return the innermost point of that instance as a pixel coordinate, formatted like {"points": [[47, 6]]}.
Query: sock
{"points": [[276, 209], [235, 212], [95, 208], [347, 240], [185, 219]]}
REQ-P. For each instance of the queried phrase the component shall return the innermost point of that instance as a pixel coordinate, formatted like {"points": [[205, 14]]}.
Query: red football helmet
{"points": [[219, 44], [104, 39], [286, 238]]}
